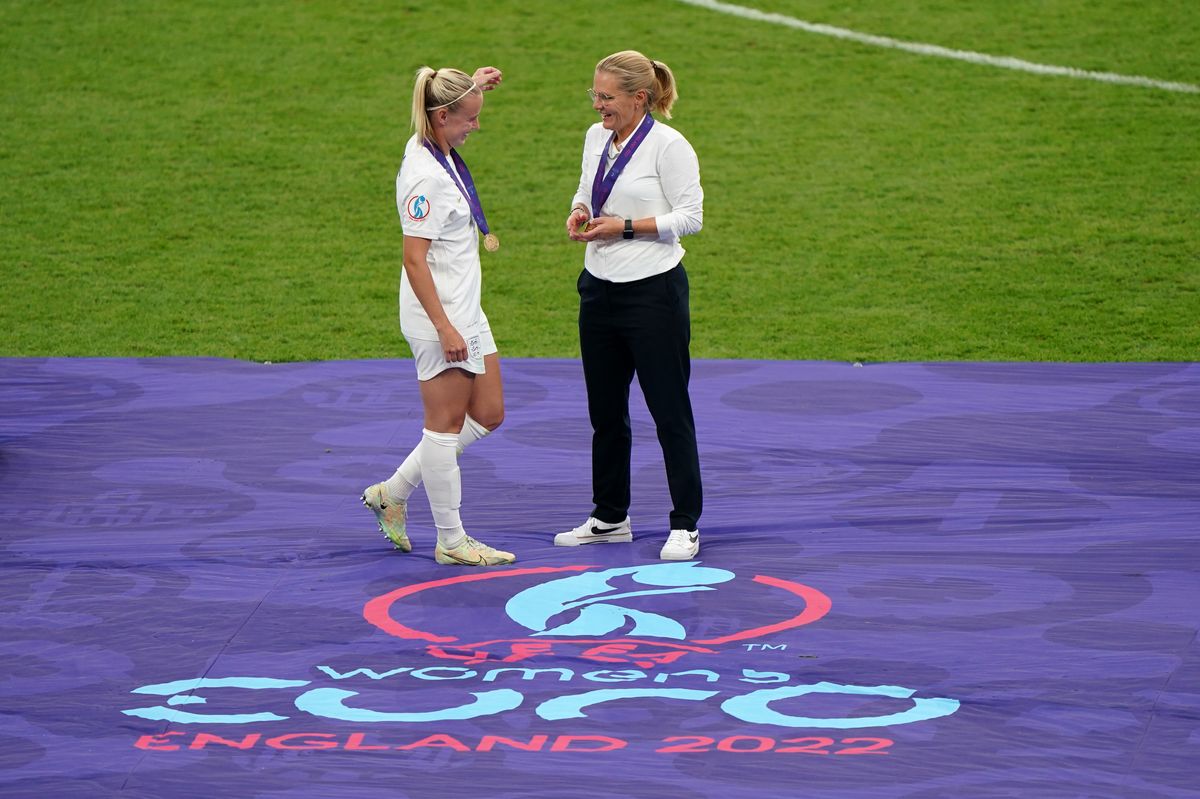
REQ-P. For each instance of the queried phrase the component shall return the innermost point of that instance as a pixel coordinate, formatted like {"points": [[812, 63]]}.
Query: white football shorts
{"points": [[431, 362]]}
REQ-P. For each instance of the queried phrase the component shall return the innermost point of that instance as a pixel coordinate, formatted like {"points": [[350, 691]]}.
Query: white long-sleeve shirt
{"points": [[661, 180]]}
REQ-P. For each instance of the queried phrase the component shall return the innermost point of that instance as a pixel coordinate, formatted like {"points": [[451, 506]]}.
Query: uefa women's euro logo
{"points": [[417, 207], [589, 627], [645, 615]]}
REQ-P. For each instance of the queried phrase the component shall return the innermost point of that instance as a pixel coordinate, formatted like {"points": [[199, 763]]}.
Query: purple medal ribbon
{"points": [[468, 190], [603, 184]]}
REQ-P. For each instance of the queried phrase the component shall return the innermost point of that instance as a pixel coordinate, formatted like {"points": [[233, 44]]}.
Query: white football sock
{"points": [[439, 465], [400, 485], [471, 432]]}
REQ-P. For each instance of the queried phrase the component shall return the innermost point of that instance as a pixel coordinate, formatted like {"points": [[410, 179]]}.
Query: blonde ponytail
{"points": [[634, 72], [434, 89], [667, 94]]}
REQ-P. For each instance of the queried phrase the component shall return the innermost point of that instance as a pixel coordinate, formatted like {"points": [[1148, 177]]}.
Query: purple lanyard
{"points": [[602, 186], [468, 191]]}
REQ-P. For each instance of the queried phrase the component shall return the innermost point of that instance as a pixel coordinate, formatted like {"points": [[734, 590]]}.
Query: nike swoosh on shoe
{"points": [[481, 562], [604, 530]]}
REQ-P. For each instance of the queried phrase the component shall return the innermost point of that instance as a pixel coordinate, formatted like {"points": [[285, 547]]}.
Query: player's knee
{"points": [[445, 422], [493, 419]]}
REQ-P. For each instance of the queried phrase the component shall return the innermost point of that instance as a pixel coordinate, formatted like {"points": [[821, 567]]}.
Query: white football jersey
{"points": [[432, 207]]}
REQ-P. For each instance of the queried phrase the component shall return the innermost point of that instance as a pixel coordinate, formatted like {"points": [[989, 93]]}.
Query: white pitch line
{"points": [[1004, 62]]}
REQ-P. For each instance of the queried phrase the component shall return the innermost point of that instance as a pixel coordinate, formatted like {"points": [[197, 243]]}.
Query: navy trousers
{"points": [[642, 327]]}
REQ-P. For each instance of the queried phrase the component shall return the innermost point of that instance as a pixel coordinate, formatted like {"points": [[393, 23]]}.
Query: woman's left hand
{"points": [[603, 227]]}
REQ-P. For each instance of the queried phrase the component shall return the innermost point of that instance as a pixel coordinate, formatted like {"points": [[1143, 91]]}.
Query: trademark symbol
{"points": [[764, 647]]}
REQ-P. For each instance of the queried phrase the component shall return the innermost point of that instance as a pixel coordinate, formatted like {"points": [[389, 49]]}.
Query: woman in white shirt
{"points": [[639, 193], [458, 367]]}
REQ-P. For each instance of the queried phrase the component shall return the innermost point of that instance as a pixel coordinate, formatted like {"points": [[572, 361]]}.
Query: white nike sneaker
{"points": [[594, 531], [681, 545]]}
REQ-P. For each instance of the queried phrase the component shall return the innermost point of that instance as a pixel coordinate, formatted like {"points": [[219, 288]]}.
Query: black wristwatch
{"points": [[628, 234]]}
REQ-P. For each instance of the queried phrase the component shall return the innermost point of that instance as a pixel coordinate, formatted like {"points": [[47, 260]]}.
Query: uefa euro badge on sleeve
{"points": [[417, 207]]}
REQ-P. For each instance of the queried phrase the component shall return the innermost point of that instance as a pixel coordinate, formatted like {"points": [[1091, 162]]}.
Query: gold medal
{"points": [[491, 243]]}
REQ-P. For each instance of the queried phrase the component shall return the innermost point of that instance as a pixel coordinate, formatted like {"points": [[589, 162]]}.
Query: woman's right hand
{"points": [[487, 78], [453, 345], [575, 221]]}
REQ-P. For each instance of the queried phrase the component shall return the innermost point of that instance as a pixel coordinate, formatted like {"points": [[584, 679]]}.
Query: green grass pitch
{"points": [[216, 178]]}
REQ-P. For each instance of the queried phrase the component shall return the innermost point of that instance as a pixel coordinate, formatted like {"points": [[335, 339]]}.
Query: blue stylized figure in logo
{"points": [[592, 595], [420, 207]]}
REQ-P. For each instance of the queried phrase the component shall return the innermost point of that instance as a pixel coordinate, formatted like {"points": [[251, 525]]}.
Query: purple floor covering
{"points": [[916, 580]]}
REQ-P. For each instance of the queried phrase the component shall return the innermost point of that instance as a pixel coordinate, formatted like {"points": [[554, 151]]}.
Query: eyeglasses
{"points": [[604, 98]]}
